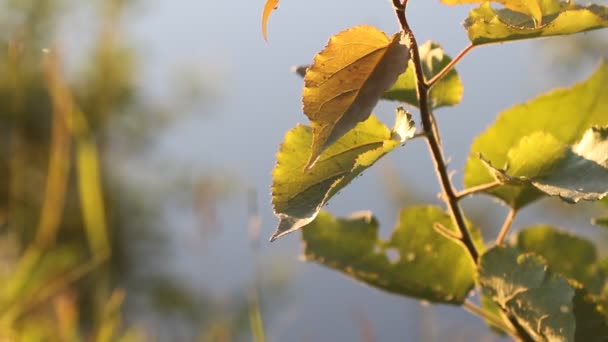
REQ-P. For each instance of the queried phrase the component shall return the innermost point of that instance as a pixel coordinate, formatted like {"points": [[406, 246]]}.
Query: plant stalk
{"points": [[477, 189], [432, 135], [450, 65], [506, 226]]}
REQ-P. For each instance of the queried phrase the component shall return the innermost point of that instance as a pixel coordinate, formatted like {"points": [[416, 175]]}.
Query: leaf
{"points": [[579, 172], [91, 196], [567, 254], [565, 114], [486, 25], [269, 6], [447, 92], [416, 261], [534, 8], [490, 307], [298, 195], [346, 80], [591, 323], [539, 299]]}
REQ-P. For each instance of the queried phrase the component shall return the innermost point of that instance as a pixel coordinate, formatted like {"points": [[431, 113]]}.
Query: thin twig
{"points": [[490, 318], [450, 234], [506, 226], [432, 135], [450, 66], [476, 189], [418, 135]]}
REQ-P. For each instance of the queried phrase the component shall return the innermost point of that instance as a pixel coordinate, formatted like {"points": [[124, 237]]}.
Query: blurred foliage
{"points": [[81, 252], [568, 54]]}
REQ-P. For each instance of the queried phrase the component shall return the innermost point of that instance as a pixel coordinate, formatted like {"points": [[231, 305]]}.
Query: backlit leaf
{"points": [[487, 25], [447, 92], [567, 254], [539, 299], [346, 80], [299, 194], [572, 173], [534, 8], [564, 114], [269, 6], [416, 261]]}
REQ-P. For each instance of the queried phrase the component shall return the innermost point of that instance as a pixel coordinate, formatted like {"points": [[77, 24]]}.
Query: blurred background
{"points": [[137, 140]]}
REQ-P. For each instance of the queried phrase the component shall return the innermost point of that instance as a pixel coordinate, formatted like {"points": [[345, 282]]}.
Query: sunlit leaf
{"points": [[447, 92], [486, 25], [269, 6], [565, 114], [87, 160], [567, 254], [539, 299], [91, 197], [346, 80], [572, 173], [298, 195], [416, 261], [534, 8]]}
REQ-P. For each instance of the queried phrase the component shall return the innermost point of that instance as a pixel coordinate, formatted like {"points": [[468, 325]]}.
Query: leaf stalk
{"points": [[490, 318], [450, 66], [506, 226], [477, 189]]}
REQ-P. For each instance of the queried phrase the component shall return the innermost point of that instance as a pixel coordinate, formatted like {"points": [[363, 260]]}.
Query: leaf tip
{"points": [[269, 6], [274, 237]]}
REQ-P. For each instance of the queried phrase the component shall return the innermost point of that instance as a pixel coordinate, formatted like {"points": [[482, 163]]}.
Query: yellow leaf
{"points": [[347, 79], [268, 8]]}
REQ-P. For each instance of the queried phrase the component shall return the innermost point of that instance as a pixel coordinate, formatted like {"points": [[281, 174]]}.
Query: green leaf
{"points": [[489, 306], [346, 80], [534, 8], [564, 114], [298, 195], [416, 261], [591, 320], [486, 25], [447, 92], [567, 254], [539, 299], [579, 172]]}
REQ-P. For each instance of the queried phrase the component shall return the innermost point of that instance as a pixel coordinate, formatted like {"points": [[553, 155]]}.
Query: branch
{"points": [[432, 135], [450, 66], [476, 189], [506, 226]]}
